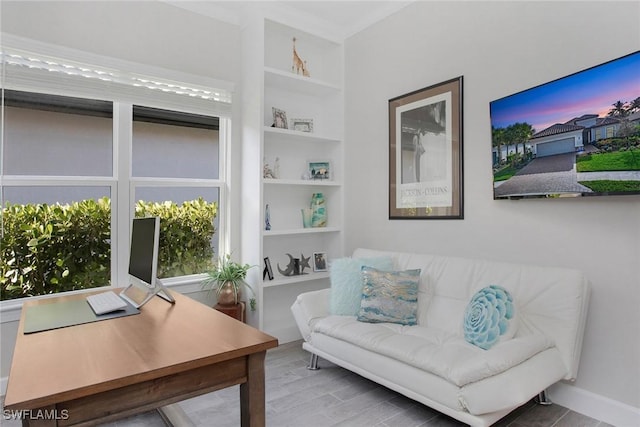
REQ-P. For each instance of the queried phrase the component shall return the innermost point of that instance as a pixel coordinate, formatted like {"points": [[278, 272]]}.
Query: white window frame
{"points": [[167, 89]]}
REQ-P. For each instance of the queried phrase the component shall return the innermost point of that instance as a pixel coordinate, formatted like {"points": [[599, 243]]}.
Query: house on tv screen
{"points": [[572, 135]]}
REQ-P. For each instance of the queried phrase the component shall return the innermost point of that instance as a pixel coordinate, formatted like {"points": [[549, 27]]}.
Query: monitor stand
{"points": [[139, 295]]}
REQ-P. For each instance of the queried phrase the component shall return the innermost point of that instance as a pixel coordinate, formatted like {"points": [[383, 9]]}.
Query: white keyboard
{"points": [[106, 302]]}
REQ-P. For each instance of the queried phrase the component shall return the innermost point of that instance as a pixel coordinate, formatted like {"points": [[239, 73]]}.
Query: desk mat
{"points": [[44, 317]]}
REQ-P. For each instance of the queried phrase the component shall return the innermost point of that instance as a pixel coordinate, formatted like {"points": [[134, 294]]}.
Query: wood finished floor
{"points": [[333, 396]]}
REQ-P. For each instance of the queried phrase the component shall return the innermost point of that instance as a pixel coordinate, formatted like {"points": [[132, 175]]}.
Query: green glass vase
{"points": [[319, 217]]}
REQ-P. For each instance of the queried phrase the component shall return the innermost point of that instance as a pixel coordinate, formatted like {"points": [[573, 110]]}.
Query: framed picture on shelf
{"points": [[319, 169], [425, 153], [301, 125], [279, 118], [267, 272], [319, 261]]}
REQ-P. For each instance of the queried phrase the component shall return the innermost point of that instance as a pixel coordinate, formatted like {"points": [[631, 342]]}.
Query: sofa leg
{"points": [[313, 363], [542, 399]]}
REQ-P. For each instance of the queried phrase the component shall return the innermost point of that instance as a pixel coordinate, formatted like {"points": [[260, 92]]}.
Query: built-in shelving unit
{"points": [[317, 97]]}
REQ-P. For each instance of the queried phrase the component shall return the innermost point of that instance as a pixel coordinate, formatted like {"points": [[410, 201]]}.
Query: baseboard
{"points": [[594, 405], [285, 335]]}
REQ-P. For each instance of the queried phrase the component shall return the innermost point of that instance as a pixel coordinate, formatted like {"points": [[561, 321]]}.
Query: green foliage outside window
{"points": [[186, 232], [46, 249]]}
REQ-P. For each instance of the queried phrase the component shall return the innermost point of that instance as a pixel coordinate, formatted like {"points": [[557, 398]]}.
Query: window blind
{"points": [[37, 67]]}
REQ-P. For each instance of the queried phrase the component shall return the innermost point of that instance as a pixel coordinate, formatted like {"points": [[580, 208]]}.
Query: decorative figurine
{"points": [[293, 268], [296, 266], [267, 218], [304, 262], [298, 64], [267, 172]]}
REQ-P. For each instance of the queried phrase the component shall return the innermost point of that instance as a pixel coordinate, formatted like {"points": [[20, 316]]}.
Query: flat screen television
{"points": [[575, 136]]}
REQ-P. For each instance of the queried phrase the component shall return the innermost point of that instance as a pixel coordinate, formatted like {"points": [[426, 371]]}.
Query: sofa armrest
{"points": [[308, 308]]}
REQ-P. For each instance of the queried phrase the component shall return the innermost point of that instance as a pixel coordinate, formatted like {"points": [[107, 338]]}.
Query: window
{"points": [[610, 131], [175, 168], [77, 167]]}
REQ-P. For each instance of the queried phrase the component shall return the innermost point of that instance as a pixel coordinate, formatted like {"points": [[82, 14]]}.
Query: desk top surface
{"points": [[163, 339]]}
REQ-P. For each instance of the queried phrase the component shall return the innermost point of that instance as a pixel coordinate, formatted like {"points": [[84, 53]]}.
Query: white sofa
{"points": [[432, 363]]}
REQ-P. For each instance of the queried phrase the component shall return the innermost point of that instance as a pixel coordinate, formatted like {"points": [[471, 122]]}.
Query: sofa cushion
{"points": [[439, 352], [346, 282], [490, 317], [389, 296]]}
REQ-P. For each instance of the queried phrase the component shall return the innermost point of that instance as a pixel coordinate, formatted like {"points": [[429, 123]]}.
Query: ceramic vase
{"points": [[319, 217], [227, 294], [307, 216]]}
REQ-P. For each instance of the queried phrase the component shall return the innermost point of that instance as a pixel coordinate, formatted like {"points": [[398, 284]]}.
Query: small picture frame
{"points": [[319, 169], [279, 118], [319, 261], [301, 125], [267, 272]]}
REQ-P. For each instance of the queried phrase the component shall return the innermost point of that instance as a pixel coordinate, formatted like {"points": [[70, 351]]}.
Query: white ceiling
{"points": [[342, 17]]}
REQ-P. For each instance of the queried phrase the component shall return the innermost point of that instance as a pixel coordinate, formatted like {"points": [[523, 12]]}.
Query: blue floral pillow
{"points": [[389, 296], [490, 317]]}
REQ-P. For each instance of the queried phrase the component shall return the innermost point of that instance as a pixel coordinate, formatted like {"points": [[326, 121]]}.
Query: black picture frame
{"points": [[425, 153], [267, 272]]}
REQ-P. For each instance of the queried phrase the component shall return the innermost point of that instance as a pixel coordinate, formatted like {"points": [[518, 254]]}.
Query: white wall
{"points": [[147, 32], [501, 48]]}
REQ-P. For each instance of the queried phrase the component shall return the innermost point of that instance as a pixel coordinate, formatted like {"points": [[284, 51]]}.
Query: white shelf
{"points": [[294, 136], [307, 182], [270, 83], [295, 231], [288, 81], [291, 280]]}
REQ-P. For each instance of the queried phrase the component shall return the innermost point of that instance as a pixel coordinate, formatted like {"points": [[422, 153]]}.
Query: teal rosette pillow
{"points": [[490, 317]]}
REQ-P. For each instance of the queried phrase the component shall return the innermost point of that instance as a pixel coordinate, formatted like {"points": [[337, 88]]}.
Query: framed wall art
{"points": [[425, 153]]}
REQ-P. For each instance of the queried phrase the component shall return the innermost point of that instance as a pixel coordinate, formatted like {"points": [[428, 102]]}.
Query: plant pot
{"points": [[228, 295]]}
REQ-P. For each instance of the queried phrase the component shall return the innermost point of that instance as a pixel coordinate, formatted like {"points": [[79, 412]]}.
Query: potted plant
{"points": [[227, 278]]}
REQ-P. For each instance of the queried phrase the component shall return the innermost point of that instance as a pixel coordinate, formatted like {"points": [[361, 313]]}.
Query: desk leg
{"points": [[252, 406]]}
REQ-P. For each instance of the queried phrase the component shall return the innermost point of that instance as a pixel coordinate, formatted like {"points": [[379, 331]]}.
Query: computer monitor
{"points": [[143, 263], [143, 257]]}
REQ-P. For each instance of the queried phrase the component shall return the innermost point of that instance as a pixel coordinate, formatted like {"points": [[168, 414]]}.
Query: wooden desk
{"points": [[102, 371]]}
